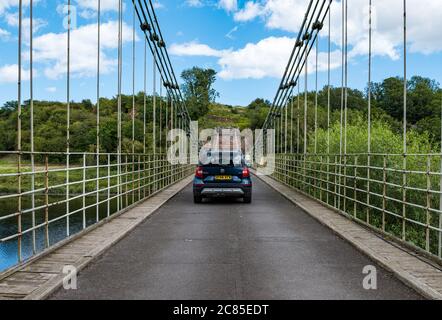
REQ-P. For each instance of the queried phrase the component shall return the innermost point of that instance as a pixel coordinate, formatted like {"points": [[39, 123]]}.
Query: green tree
{"points": [[198, 90], [257, 112]]}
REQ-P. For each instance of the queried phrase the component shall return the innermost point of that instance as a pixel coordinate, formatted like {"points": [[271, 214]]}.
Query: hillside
{"points": [[225, 116]]}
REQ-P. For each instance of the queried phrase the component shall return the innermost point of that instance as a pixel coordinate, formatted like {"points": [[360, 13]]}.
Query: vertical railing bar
{"points": [[335, 200], [384, 192], [440, 207], [84, 190], [47, 201], [126, 185], [108, 183], [355, 186], [139, 177], [428, 214]]}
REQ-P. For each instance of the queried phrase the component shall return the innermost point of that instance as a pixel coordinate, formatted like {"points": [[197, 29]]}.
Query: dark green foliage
{"points": [[50, 125], [198, 90], [257, 112]]}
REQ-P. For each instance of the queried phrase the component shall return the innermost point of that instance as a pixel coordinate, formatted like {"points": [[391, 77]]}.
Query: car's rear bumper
{"points": [[222, 190]]}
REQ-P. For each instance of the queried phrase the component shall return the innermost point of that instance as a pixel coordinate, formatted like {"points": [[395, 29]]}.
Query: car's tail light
{"points": [[199, 173], [246, 173]]}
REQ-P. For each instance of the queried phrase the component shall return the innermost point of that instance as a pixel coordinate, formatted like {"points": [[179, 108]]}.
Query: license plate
{"points": [[223, 178]]}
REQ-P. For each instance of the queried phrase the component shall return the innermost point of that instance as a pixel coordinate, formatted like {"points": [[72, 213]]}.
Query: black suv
{"points": [[224, 174]]}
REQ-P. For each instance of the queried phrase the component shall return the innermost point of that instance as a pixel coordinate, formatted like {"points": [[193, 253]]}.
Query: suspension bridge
{"points": [[126, 222]]}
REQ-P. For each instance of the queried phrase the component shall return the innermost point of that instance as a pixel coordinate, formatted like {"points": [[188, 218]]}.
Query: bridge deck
{"points": [[222, 250]]}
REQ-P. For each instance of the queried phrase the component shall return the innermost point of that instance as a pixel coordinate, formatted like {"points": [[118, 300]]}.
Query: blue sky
{"points": [[247, 42]]}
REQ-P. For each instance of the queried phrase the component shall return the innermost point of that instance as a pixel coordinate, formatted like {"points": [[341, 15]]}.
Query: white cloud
{"points": [[195, 3], [4, 34], [250, 11], [106, 5], [195, 49], [424, 23], [228, 5], [267, 58], [7, 4], [12, 19], [9, 74], [50, 49], [158, 5]]}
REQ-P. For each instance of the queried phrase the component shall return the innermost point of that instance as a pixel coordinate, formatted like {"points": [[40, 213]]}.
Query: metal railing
{"points": [[369, 188], [35, 218]]}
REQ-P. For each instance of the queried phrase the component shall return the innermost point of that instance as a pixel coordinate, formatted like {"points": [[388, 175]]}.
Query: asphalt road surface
{"points": [[229, 250]]}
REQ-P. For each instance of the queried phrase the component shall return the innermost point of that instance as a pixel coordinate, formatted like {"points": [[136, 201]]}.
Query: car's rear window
{"points": [[222, 159]]}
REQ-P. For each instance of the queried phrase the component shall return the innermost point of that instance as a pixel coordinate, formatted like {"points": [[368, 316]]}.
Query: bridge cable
{"points": [[120, 71], [298, 135], [144, 114], [162, 55], [286, 127], [346, 105], [31, 101], [328, 100], [144, 96], [133, 102], [161, 118], [19, 138], [341, 131], [133, 82], [154, 97], [68, 120], [288, 65], [404, 197], [284, 93], [98, 114], [316, 97], [370, 28], [291, 125]]}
